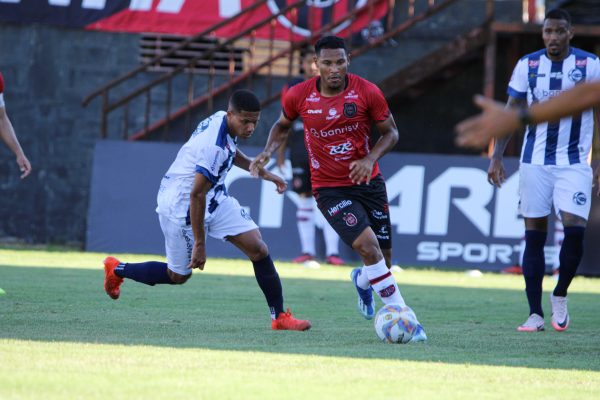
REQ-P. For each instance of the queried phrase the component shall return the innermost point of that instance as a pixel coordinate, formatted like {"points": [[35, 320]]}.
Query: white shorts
{"points": [[568, 188], [229, 219]]}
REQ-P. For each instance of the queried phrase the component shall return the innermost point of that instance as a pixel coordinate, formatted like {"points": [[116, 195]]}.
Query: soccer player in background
{"points": [[193, 202], [338, 109], [554, 168], [7, 133], [306, 215]]}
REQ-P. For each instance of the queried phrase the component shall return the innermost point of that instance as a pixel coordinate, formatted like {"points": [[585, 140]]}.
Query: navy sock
{"points": [[270, 284], [534, 267], [150, 272], [570, 255]]}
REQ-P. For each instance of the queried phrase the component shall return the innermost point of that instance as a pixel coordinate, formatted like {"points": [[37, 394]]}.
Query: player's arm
{"points": [[243, 161], [197, 209], [496, 171], [277, 136], [495, 121], [7, 133], [361, 170]]}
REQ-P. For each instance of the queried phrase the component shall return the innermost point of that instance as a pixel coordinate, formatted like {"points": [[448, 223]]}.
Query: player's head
{"points": [[243, 113], [557, 33], [332, 61], [309, 67]]}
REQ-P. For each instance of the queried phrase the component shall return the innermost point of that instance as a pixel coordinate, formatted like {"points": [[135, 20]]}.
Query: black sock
{"points": [[270, 284], [534, 267], [570, 255], [150, 272]]}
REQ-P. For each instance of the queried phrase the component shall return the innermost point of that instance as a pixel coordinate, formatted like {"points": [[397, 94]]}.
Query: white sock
{"points": [[331, 240], [306, 225], [383, 283], [363, 280]]}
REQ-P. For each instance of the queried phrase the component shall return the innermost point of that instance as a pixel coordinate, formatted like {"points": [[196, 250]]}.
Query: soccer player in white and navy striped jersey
{"points": [[554, 169]]}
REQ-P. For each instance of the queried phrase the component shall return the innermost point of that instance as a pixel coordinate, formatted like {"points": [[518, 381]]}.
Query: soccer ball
{"points": [[395, 324]]}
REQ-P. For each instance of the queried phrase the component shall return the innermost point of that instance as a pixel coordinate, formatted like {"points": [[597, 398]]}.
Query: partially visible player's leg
{"points": [[305, 213], [534, 264], [230, 222], [178, 243]]}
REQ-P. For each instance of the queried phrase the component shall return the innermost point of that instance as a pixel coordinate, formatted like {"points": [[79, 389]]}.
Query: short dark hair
{"points": [[244, 100], [330, 42], [559, 13]]}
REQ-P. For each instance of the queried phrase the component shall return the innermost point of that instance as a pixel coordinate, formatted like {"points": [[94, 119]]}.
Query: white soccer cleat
{"points": [[560, 314], [535, 323]]}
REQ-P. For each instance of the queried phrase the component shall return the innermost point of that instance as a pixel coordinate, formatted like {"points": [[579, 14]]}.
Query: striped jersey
{"points": [[538, 79], [209, 151]]}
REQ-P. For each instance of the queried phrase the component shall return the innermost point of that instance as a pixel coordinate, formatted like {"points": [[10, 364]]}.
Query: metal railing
{"points": [[393, 22]]}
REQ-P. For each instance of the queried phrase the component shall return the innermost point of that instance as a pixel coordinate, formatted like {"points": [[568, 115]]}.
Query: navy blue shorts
{"points": [[351, 209]]}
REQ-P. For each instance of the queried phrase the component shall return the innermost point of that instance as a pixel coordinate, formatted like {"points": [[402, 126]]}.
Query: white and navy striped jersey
{"points": [[210, 152], [538, 79]]}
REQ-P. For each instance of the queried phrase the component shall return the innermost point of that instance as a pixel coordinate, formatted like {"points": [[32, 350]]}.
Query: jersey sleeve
{"points": [[208, 162], [518, 85], [290, 103], [378, 106]]}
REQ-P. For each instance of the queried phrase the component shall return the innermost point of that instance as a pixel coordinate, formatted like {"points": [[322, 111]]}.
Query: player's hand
{"points": [[496, 172], [361, 170], [258, 163], [198, 256], [277, 180], [24, 165], [494, 121]]}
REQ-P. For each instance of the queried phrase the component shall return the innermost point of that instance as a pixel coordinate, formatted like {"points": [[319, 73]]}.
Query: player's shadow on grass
{"points": [[475, 326]]}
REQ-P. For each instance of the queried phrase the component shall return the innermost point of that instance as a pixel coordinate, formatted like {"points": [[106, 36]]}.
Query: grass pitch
{"points": [[61, 337]]}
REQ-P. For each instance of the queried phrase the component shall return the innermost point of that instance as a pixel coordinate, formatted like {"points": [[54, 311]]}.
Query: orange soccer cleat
{"points": [[286, 322], [112, 282]]}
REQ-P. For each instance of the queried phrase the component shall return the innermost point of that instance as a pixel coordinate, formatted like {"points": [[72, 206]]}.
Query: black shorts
{"points": [[351, 209], [301, 178]]}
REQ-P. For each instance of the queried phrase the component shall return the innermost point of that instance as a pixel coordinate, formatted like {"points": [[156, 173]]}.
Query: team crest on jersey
{"points": [[350, 109], [575, 75], [350, 219], [579, 198]]}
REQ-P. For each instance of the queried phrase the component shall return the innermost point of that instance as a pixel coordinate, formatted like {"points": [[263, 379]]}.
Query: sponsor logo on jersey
{"points": [[339, 206], [319, 111], [314, 163], [314, 97], [350, 219], [245, 214], [333, 114], [581, 63], [340, 148], [541, 94], [579, 198], [351, 95], [350, 109], [335, 131], [556, 75], [575, 75], [534, 63]]}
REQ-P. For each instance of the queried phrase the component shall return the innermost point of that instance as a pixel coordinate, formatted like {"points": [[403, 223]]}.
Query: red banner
{"points": [[189, 17]]}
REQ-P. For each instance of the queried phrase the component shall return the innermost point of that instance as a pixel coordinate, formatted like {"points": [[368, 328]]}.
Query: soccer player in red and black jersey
{"points": [[7, 133], [338, 109]]}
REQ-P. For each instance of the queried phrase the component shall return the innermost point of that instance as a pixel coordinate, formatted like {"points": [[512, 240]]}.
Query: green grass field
{"points": [[61, 337]]}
